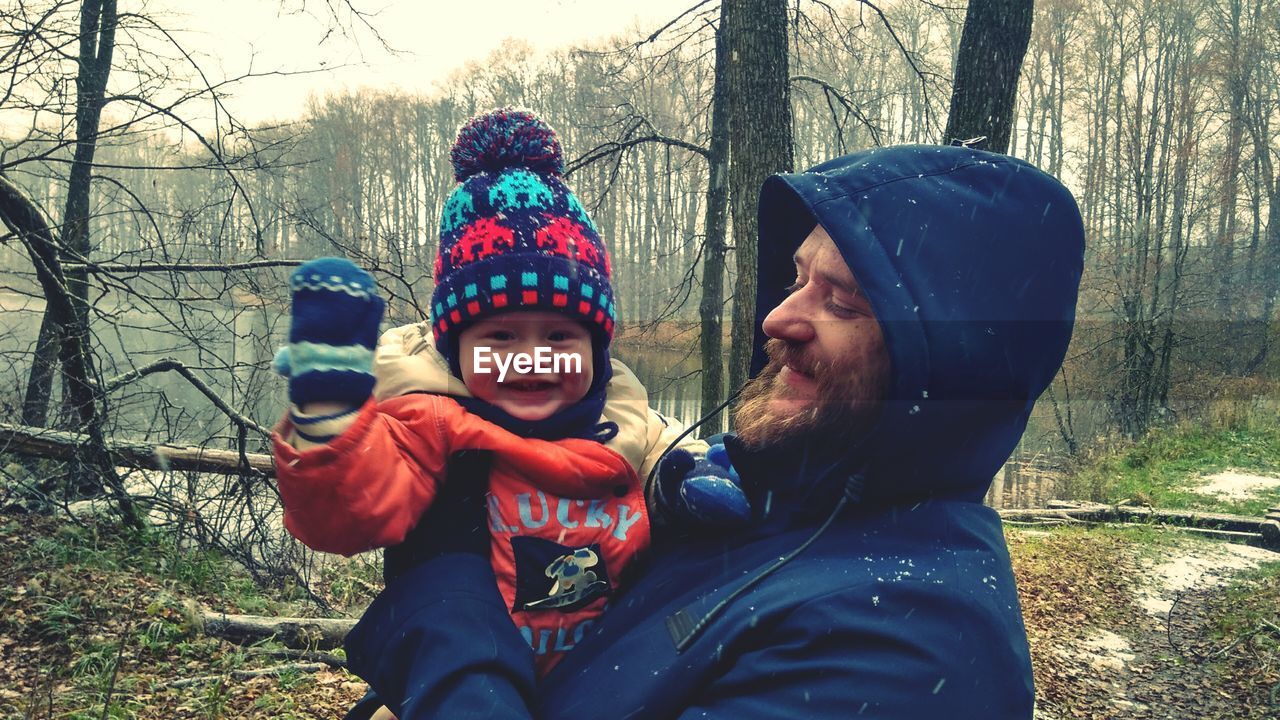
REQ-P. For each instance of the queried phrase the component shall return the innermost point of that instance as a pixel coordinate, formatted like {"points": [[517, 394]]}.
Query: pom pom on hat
{"points": [[504, 138]]}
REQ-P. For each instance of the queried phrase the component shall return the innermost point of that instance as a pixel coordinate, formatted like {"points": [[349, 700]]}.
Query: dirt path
{"points": [[1149, 663]]}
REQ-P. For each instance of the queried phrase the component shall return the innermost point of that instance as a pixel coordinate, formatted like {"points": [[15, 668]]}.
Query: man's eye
{"points": [[793, 287], [840, 310]]}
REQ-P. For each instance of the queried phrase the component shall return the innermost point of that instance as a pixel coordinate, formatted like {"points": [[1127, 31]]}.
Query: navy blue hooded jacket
{"points": [[876, 584]]}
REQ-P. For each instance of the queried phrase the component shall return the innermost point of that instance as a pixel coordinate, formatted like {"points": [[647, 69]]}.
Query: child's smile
{"points": [[490, 353]]}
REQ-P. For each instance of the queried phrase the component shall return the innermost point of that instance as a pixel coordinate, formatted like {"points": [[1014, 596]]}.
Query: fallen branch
{"points": [[329, 659], [170, 364], [249, 674], [143, 267], [1236, 528], [295, 632], [62, 445]]}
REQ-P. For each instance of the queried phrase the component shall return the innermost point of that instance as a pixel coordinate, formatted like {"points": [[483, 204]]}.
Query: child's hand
{"points": [[336, 313], [706, 490]]}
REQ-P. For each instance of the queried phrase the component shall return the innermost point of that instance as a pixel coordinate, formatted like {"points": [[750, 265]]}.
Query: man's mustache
{"points": [[782, 352]]}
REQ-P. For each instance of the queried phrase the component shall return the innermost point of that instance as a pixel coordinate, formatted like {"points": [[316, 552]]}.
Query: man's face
{"points": [[828, 365]]}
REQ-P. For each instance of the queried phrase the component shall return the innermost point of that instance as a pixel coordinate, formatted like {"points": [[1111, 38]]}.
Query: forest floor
{"points": [[1149, 623], [1145, 622], [1133, 622]]}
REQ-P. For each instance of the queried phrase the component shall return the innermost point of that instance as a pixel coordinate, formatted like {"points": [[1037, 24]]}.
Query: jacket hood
{"points": [[971, 261]]}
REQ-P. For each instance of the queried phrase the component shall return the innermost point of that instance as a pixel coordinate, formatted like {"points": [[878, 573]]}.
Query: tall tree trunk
{"points": [[66, 294], [1269, 270], [1224, 242], [992, 45], [97, 43], [711, 307], [44, 364], [755, 32]]}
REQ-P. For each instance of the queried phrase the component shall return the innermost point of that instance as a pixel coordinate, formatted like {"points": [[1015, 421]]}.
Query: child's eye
{"points": [[501, 335], [566, 335]]}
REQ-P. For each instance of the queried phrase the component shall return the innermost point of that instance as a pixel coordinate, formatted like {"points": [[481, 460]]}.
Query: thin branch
{"points": [[250, 674], [654, 35], [614, 147], [217, 153], [147, 267], [831, 91], [167, 364]]}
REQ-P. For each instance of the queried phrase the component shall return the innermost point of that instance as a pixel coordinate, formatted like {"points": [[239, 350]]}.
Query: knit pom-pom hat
{"points": [[514, 237]]}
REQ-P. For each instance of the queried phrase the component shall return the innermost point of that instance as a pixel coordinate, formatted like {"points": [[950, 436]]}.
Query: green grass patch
{"points": [[95, 621], [101, 546], [1163, 468], [1250, 606]]}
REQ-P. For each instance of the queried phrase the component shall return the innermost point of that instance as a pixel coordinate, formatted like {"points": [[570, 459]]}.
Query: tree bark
{"points": [[760, 143], [992, 45], [44, 365], [24, 219], [1224, 241], [97, 43], [711, 307]]}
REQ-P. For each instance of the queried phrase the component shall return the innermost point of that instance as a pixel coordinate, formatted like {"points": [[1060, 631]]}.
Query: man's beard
{"points": [[846, 401]]}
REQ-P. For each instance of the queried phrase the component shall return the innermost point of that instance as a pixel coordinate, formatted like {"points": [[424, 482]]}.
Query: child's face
{"points": [[496, 375]]}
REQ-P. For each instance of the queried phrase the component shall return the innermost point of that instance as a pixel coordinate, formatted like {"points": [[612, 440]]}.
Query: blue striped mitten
{"points": [[336, 313], [705, 490]]}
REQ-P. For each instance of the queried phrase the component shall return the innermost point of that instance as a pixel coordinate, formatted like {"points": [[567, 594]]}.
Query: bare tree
{"points": [[992, 45], [760, 143], [711, 305]]}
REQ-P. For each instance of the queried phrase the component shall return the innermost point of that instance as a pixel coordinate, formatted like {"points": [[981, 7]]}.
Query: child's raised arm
{"points": [[347, 476]]}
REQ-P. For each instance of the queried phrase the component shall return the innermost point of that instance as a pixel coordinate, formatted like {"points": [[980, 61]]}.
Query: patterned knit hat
{"points": [[513, 236]]}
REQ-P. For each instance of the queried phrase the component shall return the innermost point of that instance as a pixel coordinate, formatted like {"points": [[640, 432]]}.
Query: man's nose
{"points": [[790, 320]]}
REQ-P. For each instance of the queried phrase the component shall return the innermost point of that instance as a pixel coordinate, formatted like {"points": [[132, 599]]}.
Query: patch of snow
{"points": [[1235, 485], [1108, 651], [1205, 565]]}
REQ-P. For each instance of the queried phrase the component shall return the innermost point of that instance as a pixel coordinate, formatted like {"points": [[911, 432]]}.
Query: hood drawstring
{"points": [[702, 420], [682, 628], [683, 632], [602, 433]]}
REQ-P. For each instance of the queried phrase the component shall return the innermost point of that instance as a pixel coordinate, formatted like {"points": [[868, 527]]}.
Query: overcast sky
{"points": [[437, 37]]}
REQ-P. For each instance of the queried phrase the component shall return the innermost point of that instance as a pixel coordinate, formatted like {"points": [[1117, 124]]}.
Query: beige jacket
{"points": [[407, 361]]}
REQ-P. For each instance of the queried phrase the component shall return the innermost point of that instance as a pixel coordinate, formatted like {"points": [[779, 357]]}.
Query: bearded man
{"points": [[916, 300]]}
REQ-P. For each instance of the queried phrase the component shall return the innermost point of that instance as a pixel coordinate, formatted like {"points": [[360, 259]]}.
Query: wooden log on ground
{"points": [[1237, 528], [250, 674], [294, 632], [61, 445]]}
